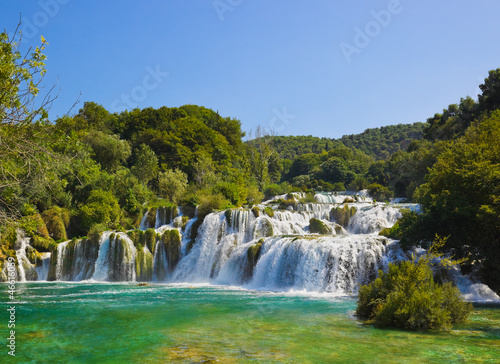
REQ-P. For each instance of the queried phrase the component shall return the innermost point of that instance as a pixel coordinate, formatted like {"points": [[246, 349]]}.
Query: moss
{"points": [[285, 204], [338, 229], [253, 255], [269, 211], [343, 215], [53, 247], [228, 214], [151, 218], [33, 255], [171, 240], [95, 232], [266, 228], [253, 252], [150, 239], [138, 238], [317, 226], [309, 198], [256, 211], [349, 200], [185, 220], [143, 266], [40, 244]]}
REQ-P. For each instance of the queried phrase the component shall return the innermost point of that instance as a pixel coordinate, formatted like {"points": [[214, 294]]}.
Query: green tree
{"points": [[204, 171], [24, 132], [100, 208], [172, 184], [461, 196], [108, 150], [333, 169], [146, 166]]}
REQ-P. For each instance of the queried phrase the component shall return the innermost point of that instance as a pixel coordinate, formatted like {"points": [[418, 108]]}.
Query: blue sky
{"points": [[323, 68]]}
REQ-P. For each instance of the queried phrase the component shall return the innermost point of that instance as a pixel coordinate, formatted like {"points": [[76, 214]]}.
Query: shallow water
{"points": [[118, 323]]}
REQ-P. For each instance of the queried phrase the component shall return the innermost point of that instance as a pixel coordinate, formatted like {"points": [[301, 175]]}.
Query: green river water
{"points": [[161, 323]]}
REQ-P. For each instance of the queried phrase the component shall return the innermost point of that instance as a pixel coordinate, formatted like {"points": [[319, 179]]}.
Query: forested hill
{"points": [[382, 142], [379, 143]]}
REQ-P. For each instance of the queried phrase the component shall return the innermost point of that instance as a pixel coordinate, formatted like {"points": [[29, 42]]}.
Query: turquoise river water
{"points": [[162, 323]]}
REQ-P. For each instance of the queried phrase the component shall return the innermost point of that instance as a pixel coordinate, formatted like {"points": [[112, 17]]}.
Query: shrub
{"points": [[101, 208], [95, 232], [56, 220], [407, 297], [343, 215], [379, 192], [172, 184]]}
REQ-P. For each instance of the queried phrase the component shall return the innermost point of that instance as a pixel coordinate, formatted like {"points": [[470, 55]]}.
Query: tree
{"points": [[22, 120], [260, 153], [490, 97], [461, 196], [172, 184], [145, 167], [204, 171], [100, 208], [304, 164], [109, 150], [334, 170]]}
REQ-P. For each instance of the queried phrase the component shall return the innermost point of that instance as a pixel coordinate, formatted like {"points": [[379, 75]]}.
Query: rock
{"points": [[317, 226]]}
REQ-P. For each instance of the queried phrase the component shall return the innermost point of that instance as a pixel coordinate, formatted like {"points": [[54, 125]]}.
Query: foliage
{"points": [[343, 215], [407, 297], [146, 166], [172, 184], [56, 220], [100, 208], [382, 142], [108, 150], [379, 192], [462, 193]]}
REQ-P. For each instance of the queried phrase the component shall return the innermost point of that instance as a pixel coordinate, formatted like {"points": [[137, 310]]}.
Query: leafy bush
{"points": [[172, 184], [407, 297], [379, 192], [101, 208]]}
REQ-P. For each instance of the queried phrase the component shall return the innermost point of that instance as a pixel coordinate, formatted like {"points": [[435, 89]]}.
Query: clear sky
{"points": [[324, 67]]}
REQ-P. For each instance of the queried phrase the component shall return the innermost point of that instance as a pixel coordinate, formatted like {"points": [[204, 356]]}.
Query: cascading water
{"points": [[329, 246], [42, 270], [23, 262]]}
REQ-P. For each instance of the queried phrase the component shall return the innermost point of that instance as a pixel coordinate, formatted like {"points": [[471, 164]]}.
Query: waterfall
{"points": [[23, 263], [328, 264], [116, 258], [329, 246], [42, 270], [373, 218]]}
